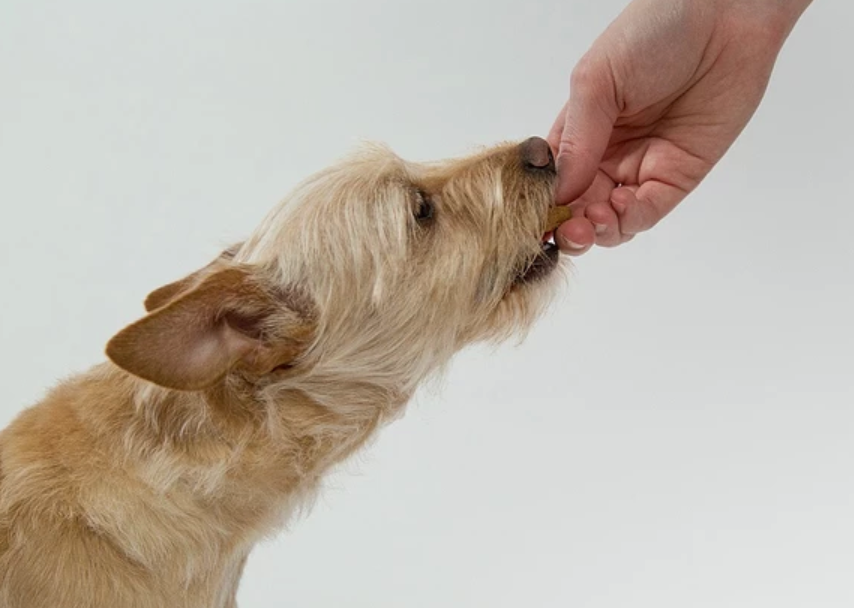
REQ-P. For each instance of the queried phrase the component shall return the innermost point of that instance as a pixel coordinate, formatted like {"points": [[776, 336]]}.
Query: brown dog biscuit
{"points": [[557, 216]]}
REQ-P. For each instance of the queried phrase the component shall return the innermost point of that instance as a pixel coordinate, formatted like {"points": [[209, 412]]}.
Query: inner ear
{"points": [[232, 319], [162, 296]]}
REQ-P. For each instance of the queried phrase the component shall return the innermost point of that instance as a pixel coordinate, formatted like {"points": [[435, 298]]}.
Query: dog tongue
{"points": [[557, 216]]}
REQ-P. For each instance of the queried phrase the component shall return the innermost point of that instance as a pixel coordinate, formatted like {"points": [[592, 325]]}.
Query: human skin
{"points": [[654, 104]]}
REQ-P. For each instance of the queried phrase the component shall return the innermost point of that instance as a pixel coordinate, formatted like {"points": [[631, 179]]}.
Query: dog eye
{"points": [[424, 208]]}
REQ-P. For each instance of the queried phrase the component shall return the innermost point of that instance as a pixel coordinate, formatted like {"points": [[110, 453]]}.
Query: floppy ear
{"points": [[233, 318], [167, 293]]}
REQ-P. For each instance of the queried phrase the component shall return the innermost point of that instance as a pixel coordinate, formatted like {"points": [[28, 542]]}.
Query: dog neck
{"points": [[221, 468]]}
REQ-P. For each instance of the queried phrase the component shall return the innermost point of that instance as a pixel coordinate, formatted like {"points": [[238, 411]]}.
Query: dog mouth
{"points": [[543, 263]]}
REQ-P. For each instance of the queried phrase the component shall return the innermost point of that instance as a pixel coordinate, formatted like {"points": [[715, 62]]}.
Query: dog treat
{"points": [[557, 216]]}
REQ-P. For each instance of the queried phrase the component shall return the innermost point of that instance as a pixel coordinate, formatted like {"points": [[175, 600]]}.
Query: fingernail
{"points": [[571, 244], [619, 207], [600, 228]]}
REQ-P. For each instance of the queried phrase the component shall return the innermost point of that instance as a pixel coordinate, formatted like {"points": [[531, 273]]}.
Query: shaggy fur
{"points": [[145, 482]]}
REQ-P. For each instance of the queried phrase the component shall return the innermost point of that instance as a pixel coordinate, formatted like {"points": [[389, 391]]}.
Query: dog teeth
{"points": [[557, 216]]}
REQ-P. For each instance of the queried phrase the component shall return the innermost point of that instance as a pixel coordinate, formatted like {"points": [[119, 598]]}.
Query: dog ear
{"points": [[231, 319], [162, 296]]}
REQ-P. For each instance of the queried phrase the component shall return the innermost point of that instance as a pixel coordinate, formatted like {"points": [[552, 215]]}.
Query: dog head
{"points": [[374, 271]]}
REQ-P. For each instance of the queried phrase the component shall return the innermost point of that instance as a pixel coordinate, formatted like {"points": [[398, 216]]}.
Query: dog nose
{"points": [[537, 154]]}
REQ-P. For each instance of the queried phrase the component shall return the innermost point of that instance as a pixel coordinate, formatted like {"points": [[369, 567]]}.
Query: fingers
{"points": [[606, 225], [641, 208], [630, 210], [575, 236], [600, 226], [583, 128], [596, 221]]}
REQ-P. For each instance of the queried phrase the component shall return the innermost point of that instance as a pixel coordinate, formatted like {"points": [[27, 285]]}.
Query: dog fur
{"points": [[145, 482]]}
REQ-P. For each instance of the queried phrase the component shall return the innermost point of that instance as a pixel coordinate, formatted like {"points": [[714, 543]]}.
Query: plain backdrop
{"points": [[676, 432]]}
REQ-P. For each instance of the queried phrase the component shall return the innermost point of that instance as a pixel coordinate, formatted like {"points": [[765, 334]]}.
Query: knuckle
{"points": [[591, 76], [583, 74]]}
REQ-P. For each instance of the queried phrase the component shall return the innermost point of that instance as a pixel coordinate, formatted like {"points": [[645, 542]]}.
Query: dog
{"points": [[145, 482]]}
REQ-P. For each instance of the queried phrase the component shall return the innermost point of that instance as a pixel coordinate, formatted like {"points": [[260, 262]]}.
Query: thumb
{"points": [[583, 129]]}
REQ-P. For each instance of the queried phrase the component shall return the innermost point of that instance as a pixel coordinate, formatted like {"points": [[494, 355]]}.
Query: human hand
{"points": [[654, 105]]}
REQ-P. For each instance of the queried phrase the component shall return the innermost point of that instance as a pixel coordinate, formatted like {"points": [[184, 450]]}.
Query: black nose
{"points": [[537, 154]]}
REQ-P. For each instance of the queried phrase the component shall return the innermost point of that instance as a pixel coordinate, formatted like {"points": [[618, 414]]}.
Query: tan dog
{"points": [[145, 482]]}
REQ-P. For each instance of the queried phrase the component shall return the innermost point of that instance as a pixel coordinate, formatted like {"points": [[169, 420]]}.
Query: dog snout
{"points": [[536, 154]]}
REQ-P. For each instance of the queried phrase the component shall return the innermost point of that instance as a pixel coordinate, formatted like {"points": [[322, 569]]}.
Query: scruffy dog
{"points": [[145, 482]]}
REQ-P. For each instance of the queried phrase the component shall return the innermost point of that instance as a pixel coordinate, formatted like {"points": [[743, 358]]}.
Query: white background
{"points": [[677, 432]]}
